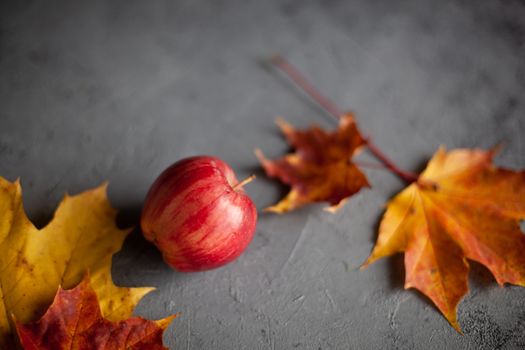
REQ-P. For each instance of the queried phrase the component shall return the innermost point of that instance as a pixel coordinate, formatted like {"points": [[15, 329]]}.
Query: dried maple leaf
{"points": [[462, 207], [74, 321], [321, 169], [82, 236]]}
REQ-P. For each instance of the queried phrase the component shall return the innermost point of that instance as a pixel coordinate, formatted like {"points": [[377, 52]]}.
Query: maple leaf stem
{"points": [[300, 81], [370, 165], [329, 106], [404, 175]]}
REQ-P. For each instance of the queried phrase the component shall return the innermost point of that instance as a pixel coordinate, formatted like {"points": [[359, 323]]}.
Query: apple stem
{"points": [[331, 108], [244, 182]]}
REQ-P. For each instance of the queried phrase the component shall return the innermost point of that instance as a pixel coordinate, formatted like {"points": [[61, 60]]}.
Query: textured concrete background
{"points": [[119, 90]]}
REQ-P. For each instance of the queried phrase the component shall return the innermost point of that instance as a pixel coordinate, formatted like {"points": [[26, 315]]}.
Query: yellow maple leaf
{"points": [[81, 237], [461, 207]]}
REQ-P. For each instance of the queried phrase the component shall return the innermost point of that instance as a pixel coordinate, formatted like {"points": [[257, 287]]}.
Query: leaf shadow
{"points": [[41, 217], [396, 271], [396, 262], [421, 164], [480, 277]]}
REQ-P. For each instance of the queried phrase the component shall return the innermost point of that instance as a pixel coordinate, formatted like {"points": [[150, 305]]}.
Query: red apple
{"points": [[198, 215]]}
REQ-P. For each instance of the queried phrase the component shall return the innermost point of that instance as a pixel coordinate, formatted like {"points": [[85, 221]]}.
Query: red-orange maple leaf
{"points": [[321, 169], [74, 321], [461, 207]]}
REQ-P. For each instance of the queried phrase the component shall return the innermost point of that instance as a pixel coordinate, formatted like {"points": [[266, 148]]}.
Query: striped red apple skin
{"points": [[196, 216]]}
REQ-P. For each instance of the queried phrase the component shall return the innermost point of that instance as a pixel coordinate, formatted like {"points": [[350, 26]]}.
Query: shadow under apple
{"points": [[139, 262]]}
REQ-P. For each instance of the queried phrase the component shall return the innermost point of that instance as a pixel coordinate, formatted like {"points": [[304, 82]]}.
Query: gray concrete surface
{"points": [[98, 90]]}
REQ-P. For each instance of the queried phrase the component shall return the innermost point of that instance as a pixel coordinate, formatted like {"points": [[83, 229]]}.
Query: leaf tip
{"points": [[259, 154], [334, 208], [442, 149], [452, 320], [285, 127], [103, 187], [456, 326], [347, 118], [274, 209], [367, 262], [165, 322]]}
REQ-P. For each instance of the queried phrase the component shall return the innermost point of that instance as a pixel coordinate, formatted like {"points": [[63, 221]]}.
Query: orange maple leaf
{"points": [[461, 207], [74, 321], [321, 169]]}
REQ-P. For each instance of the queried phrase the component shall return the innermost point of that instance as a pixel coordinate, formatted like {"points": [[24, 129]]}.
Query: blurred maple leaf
{"points": [[321, 169], [74, 321], [82, 236], [461, 207]]}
